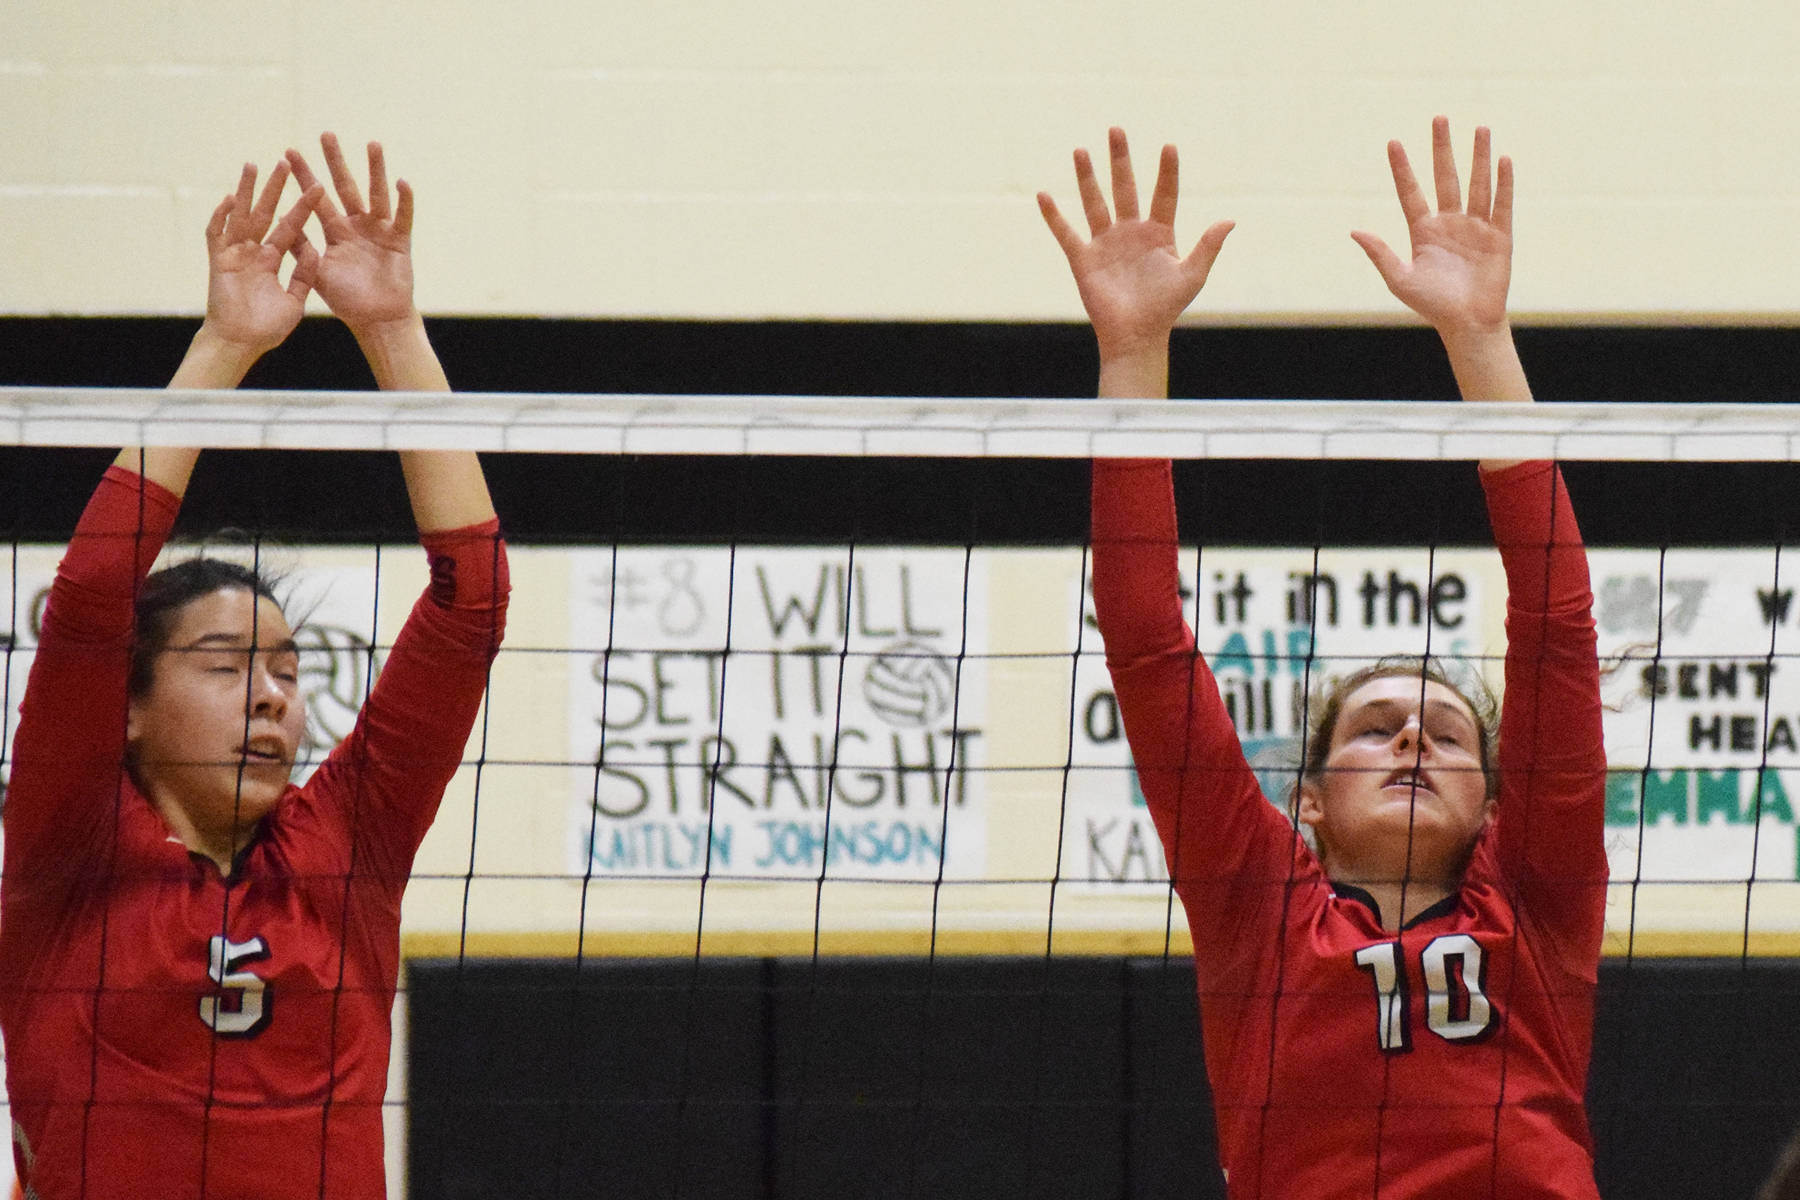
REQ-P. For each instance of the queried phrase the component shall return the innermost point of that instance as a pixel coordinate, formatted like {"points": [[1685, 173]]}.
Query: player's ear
{"points": [[1309, 807], [1309, 811]]}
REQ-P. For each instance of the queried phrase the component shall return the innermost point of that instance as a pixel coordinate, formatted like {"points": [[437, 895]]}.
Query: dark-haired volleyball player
{"points": [[198, 958], [1406, 1011]]}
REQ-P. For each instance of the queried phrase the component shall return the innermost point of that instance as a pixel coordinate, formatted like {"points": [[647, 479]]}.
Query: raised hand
{"points": [[249, 311], [1133, 281], [365, 274], [247, 305], [1462, 253]]}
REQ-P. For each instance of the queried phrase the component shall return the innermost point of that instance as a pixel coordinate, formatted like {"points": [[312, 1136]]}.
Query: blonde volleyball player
{"points": [[1404, 1008]]}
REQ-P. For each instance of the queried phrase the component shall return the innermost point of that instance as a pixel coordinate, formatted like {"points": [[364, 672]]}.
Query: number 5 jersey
{"points": [[171, 1032], [1346, 1061]]}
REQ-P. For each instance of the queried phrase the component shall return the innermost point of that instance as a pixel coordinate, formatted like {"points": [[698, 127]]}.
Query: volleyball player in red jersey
{"points": [[1407, 1010], [198, 958]]}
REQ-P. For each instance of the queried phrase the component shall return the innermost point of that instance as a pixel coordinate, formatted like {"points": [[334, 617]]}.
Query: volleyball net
{"points": [[856, 746], [839, 735]]}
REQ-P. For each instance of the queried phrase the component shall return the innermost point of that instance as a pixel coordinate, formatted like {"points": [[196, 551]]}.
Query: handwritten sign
{"points": [[786, 713], [1275, 626], [1703, 720]]}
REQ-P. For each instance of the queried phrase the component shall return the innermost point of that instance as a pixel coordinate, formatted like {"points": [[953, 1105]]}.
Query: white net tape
{"points": [[936, 428]]}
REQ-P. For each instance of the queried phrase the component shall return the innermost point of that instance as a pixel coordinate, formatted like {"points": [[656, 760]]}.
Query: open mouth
{"points": [[1411, 782], [263, 751]]}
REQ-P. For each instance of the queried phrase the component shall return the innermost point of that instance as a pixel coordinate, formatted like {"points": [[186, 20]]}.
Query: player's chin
{"points": [[1411, 816], [1408, 802], [259, 790]]}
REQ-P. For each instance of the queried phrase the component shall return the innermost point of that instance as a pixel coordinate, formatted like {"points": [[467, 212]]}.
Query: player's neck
{"points": [[1398, 902], [219, 845], [1402, 883]]}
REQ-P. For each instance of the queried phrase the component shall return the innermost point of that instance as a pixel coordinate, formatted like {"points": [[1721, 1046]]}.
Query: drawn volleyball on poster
{"points": [[338, 668], [910, 685]]}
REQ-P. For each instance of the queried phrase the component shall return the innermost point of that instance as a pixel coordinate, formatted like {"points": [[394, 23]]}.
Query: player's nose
{"points": [[268, 695], [1409, 737]]}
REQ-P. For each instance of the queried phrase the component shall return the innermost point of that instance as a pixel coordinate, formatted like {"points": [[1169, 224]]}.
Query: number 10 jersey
{"points": [[1347, 1061]]}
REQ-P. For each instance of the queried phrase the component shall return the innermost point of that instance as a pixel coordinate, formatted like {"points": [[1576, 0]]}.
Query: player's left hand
{"points": [[1462, 253], [365, 274]]}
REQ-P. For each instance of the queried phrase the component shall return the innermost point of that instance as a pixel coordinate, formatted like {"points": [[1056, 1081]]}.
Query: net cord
{"points": [[889, 427]]}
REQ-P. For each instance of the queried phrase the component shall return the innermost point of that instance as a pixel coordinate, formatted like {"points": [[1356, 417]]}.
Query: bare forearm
{"points": [[211, 362], [1487, 365], [447, 489], [168, 466], [1488, 370], [401, 356], [1137, 373]]}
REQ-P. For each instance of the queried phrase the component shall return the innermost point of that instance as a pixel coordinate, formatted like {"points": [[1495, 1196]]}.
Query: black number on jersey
{"points": [[242, 1005], [1457, 1008]]}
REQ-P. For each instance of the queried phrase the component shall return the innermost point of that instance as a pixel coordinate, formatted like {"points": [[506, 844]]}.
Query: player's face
{"points": [[216, 732], [1403, 771]]}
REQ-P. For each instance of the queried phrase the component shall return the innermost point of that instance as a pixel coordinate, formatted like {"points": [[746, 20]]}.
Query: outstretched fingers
{"points": [[306, 269], [1443, 167], [378, 184], [403, 217], [1093, 203], [263, 214], [1124, 207], [1199, 262], [349, 195], [1168, 189], [1503, 196], [237, 208], [287, 231], [215, 225], [1389, 264], [331, 218], [246, 191], [243, 216], [1413, 204], [303, 172], [1060, 229], [1124, 182], [1481, 197]]}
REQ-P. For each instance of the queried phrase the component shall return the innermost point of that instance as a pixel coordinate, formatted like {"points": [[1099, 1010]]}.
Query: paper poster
{"points": [[1275, 626], [778, 713]]}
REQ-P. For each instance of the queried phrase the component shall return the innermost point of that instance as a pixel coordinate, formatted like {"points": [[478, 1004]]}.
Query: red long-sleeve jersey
{"points": [[172, 1033], [1450, 1058]]}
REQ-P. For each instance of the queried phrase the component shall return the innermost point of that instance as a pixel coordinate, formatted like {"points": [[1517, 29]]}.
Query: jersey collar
{"points": [[1349, 891]]}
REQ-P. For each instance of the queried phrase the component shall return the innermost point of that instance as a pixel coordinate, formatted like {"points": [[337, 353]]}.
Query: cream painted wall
{"points": [[805, 158]]}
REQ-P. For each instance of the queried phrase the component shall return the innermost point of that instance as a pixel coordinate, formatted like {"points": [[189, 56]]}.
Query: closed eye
{"points": [[1453, 734]]}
